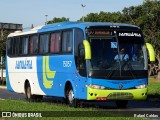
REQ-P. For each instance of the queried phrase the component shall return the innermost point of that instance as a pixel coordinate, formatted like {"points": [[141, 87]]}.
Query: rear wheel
{"points": [[28, 93], [121, 103]]}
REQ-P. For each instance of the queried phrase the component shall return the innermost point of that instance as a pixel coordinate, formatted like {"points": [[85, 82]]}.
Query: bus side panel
{"points": [[53, 73], [22, 69], [47, 75]]}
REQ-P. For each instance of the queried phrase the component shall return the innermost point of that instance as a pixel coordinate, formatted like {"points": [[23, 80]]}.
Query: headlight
{"points": [[97, 87], [141, 86]]}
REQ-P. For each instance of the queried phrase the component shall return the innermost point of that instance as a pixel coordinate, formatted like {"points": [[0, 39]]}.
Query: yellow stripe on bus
{"points": [[47, 73]]}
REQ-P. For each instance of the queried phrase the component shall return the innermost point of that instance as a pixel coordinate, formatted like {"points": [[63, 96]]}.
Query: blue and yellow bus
{"points": [[76, 61]]}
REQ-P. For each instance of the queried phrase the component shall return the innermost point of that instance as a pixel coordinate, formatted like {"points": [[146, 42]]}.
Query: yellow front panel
{"points": [[132, 94]]}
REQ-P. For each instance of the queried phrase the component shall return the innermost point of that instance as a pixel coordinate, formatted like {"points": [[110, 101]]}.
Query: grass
{"points": [[59, 110], [14, 105], [154, 90]]}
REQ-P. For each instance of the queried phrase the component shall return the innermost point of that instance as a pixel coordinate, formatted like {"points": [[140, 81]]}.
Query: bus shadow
{"points": [[153, 101]]}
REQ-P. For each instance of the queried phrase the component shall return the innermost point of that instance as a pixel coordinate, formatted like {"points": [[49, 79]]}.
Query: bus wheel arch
{"points": [[28, 92], [69, 95]]}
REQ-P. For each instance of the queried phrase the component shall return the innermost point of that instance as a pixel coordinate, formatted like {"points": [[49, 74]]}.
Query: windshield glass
{"points": [[119, 55]]}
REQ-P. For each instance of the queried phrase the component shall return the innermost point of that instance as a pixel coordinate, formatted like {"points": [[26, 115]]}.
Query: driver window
{"points": [[81, 58]]}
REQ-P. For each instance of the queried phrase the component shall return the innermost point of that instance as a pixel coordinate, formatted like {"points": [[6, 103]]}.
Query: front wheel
{"points": [[70, 98]]}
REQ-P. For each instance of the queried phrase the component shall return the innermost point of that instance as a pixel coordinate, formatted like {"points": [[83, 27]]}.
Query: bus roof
{"points": [[66, 25]]}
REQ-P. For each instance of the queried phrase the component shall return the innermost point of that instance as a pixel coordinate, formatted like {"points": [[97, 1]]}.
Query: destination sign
{"points": [[131, 34], [99, 32]]}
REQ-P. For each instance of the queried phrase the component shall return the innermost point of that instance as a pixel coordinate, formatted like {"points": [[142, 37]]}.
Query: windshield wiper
{"points": [[124, 65], [129, 68], [115, 67]]}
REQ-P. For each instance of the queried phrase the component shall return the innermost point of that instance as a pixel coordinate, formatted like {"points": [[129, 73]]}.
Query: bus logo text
{"points": [[130, 34], [23, 64]]}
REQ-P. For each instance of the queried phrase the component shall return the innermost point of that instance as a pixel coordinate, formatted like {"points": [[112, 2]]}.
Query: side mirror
{"points": [[151, 52], [87, 49]]}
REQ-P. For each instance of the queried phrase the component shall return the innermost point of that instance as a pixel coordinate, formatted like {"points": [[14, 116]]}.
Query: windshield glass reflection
{"points": [[125, 55]]}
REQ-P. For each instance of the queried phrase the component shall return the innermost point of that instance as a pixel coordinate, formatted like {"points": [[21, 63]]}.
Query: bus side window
{"points": [[52, 42], [12, 46], [9, 47], [24, 43], [67, 39], [44, 43], [30, 45], [16, 46], [81, 55], [33, 44], [78, 39], [55, 43]]}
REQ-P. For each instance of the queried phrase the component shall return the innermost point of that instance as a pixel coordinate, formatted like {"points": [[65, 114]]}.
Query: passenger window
{"points": [[16, 44], [33, 45], [55, 43], [9, 46], [44, 43], [24, 41], [67, 39]]}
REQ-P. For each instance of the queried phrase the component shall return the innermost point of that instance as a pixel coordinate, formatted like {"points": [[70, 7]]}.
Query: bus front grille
{"points": [[120, 96]]}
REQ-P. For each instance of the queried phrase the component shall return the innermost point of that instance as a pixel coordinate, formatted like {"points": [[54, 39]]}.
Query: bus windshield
{"points": [[120, 56]]}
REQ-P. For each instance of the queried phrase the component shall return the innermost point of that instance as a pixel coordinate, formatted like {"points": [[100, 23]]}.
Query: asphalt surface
{"points": [[149, 105]]}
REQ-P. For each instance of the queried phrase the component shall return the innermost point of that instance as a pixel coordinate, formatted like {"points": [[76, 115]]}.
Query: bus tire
{"points": [[121, 103], [70, 98], [28, 93]]}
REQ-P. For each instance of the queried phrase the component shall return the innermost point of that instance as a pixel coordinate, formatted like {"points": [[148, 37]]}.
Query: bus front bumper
{"points": [[131, 94]]}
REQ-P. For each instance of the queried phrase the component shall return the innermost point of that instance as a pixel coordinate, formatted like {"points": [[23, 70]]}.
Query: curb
{"points": [[3, 87]]}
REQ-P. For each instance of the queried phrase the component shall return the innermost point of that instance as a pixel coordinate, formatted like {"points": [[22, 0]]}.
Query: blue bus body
{"points": [[52, 73]]}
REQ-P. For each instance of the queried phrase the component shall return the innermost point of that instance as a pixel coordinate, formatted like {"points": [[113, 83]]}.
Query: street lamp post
{"points": [[83, 6], [46, 19]]}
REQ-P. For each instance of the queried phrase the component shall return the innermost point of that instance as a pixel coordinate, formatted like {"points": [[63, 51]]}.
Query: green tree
{"points": [[102, 17], [3, 39], [92, 17], [56, 20]]}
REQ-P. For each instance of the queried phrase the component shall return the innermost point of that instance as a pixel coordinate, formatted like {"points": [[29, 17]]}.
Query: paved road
{"points": [[150, 105], [5, 94]]}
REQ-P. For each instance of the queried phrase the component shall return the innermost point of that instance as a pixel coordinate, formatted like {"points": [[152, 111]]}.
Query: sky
{"points": [[28, 12]]}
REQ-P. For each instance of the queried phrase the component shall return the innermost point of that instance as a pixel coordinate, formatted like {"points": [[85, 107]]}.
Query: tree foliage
{"points": [[3, 38], [103, 17], [56, 20]]}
